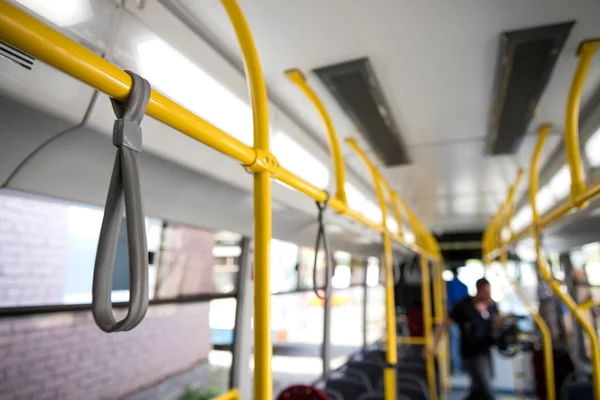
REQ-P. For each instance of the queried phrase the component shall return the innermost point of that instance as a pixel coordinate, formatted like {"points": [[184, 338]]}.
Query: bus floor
{"points": [[214, 373]]}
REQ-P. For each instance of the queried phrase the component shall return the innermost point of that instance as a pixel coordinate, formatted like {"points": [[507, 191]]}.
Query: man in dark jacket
{"points": [[476, 317]]}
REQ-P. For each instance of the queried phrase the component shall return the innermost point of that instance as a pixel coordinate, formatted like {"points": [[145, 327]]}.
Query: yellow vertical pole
{"points": [[298, 78], [389, 373], [440, 316], [545, 271], [446, 337], [546, 335], [518, 374], [425, 242], [396, 211], [507, 211], [263, 379], [427, 326], [586, 54]]}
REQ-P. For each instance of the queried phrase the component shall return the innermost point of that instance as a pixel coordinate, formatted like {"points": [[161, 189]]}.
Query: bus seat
{"points": [[333, 394], [377, 356], [413, 380], [304, 392], [578, 386], [409, 388], [362, 376], [373, 370], [349, 388]]}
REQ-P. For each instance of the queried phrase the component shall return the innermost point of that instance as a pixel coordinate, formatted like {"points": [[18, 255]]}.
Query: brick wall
{"points": [[33, 249], [65, 356], [186, 261]]}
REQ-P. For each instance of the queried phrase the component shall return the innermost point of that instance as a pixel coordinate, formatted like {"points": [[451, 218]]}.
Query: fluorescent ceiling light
{"points": [[526, 252], [409, 237], [592, 149], [560, 183], [297, 160], [359, 202], [177, 77], [356, 200], [521, 219], [372, 212], [544, 199], [392, 225], [62, 13]]}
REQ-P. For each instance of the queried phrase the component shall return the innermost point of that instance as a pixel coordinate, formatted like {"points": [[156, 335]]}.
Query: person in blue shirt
{"points": [[455, 292]]}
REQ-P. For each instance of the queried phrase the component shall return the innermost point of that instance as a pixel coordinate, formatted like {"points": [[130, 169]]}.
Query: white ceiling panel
{"points": [[436, 64]]}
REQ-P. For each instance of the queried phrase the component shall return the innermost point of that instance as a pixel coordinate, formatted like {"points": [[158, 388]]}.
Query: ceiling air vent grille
{"points": [[356, 89], [16, 55], [526, 61]]}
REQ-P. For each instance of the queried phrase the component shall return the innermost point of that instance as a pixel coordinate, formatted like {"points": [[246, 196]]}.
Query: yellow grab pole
{"points": [[397, 214], [389, 374], [440, 317], [263, 380], [394, 203], [445, 337], [438, 305], [542, 326], [298, 78], [545, 271], [506, 213], [411, 340], [588, 305], [28, 34], [427, 326], [586, 53], [412, 220]]}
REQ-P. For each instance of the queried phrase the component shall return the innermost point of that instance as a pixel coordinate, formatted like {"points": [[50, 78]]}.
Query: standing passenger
{"points": [[476, 318]]}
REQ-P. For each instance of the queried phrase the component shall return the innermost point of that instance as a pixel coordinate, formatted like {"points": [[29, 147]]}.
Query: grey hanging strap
{"points": [[124, 194], [322, 239]]}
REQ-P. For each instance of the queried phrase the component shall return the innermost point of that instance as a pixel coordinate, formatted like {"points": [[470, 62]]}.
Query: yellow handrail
{"points": [[545, 271], [539, 321], [233, 394], [28, 34], [411, 340], [440, 316], [263, 348], [47, 45], [299, 80], [586, 52], [389, 374], [427, 327], [494, 233], [396, 211]]}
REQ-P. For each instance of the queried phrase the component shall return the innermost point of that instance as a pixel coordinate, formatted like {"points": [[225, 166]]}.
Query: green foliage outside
{"points": [[200, 394]]}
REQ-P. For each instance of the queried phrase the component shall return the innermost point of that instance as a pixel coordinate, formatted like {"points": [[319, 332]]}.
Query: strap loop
{"points": [[322, 239], [124, 194]]}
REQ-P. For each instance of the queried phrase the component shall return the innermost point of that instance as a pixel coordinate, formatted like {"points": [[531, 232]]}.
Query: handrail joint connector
{"points": [[264, 161]]}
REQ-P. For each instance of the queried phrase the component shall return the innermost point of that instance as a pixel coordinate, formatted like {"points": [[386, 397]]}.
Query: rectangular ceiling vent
{"points": [[16, 55], [526, 61], [356, 89]]}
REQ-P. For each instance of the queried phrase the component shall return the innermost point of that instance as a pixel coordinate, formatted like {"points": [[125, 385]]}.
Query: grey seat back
{"points": [[349, 388]]}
